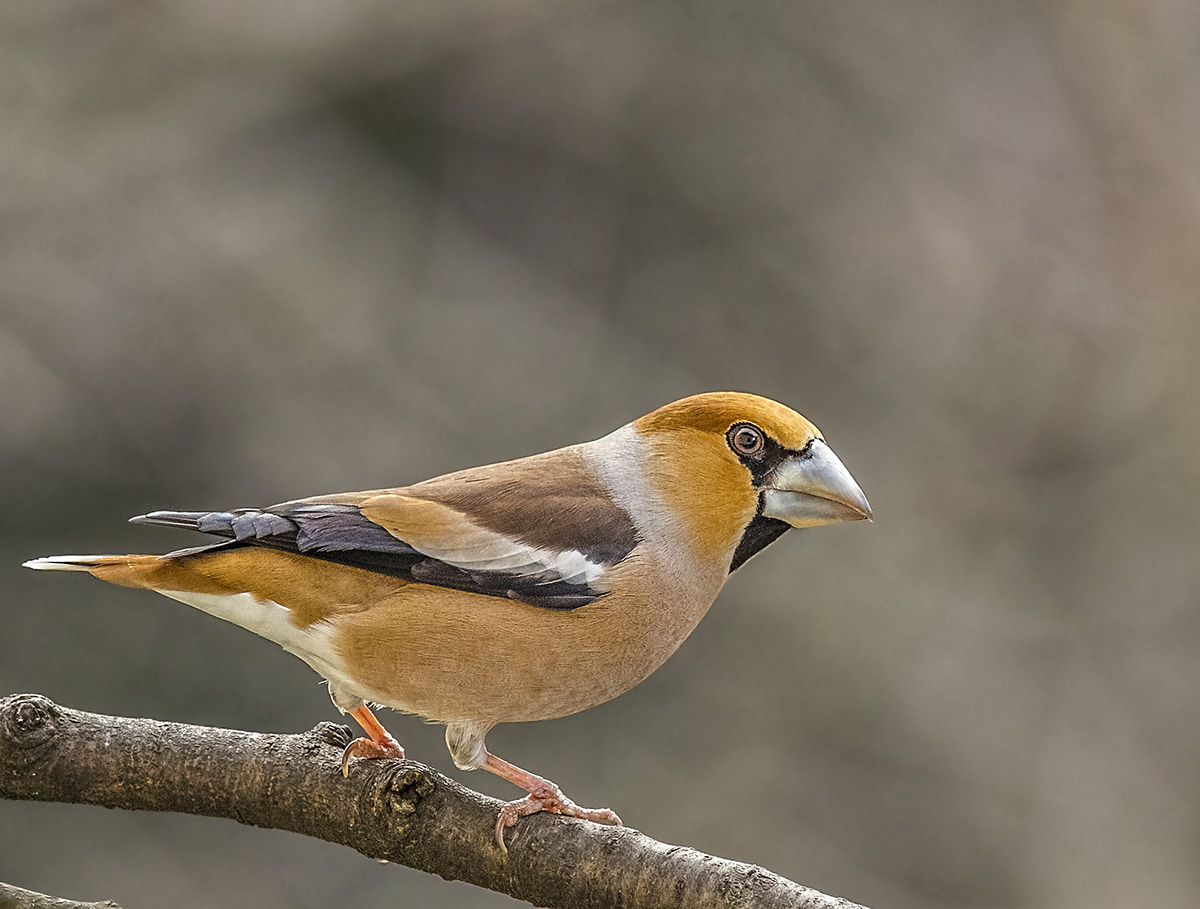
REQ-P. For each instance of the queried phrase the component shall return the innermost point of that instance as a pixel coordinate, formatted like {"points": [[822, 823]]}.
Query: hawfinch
{"points": [[520, 591]]}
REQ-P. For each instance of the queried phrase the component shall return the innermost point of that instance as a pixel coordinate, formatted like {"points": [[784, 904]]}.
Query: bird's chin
{"points": [[803, 510]]}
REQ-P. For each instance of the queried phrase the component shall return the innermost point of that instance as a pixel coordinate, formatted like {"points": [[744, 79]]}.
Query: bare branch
{"points": [[403, 812], [15, 898]]}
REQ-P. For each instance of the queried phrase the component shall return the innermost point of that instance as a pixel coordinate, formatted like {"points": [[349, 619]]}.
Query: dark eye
{"points": [[745, 439]]}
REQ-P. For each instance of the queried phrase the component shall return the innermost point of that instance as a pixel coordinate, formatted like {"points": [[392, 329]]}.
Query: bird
{"points": [[520, 591]]}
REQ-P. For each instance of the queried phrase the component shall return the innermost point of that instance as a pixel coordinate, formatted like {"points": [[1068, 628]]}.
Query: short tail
{"points": [[126, 570], [71, 563]]}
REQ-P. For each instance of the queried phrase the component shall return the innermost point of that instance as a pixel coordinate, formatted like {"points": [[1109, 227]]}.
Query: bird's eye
{"points": [[745, 439]]}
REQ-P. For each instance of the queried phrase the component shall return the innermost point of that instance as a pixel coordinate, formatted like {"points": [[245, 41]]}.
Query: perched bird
{"points": [[520, 591]]}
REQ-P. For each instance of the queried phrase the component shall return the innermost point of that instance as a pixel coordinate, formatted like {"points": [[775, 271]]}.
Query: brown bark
{"points": [[16, 898]]}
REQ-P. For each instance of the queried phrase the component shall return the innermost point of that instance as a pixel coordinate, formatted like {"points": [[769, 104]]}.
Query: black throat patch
{"points": [[758, 535]]}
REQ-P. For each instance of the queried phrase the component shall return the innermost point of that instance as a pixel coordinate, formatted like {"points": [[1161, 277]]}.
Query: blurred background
{"points": [[251, 252]]}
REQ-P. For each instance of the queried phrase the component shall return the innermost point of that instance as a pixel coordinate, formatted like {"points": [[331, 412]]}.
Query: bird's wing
{"points": [[546, 550]]}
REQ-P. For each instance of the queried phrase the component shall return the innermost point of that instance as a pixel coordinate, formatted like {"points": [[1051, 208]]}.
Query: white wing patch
{"points": [[447, 535], [484, 550]]}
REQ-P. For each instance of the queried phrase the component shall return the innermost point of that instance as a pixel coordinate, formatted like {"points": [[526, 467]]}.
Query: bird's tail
{"points": [[116, 569], [67, 563]]}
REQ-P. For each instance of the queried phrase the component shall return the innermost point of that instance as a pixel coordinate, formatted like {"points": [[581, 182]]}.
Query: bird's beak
{"points": [[814, 488]]}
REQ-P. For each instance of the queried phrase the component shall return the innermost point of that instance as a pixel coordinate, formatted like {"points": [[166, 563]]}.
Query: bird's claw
{"points": [[549, 798], [368, 748]]}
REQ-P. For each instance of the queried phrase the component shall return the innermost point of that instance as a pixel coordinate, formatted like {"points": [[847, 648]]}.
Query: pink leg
{"points": [[543, 796], [379, 745]]}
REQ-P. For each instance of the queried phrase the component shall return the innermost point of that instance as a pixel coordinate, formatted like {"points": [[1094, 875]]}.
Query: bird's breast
{"points": [[453, 656]]}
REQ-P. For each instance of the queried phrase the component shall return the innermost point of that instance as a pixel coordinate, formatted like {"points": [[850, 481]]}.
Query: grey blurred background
{"points": [[255, 251]]}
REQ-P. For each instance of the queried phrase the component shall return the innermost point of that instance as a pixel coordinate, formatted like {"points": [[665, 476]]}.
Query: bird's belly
{"points": [[457, 657]]}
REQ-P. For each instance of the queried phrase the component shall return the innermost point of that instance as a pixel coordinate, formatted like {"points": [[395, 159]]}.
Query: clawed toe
{"points": [[366, 748], [379, 745], [552, 800]]}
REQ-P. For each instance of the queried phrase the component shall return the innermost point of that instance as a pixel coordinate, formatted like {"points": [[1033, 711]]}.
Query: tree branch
{"points": [[15, 898], [400, 811]]}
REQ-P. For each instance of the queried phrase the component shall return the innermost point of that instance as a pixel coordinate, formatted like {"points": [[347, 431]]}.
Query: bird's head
{"points": [[741, 469]]}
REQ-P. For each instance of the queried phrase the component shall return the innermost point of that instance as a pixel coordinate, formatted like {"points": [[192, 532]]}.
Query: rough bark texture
{"points": [[15, 898], [403, 812]]}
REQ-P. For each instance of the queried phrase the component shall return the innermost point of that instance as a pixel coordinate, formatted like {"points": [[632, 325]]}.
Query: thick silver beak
{"points": [[813, 489]]}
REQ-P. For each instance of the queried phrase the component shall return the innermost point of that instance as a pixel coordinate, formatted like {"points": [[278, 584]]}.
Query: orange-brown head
{"points": [[735, 470]]}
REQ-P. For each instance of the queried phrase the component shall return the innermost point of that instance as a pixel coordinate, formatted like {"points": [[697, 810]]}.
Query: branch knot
{"points": [[28, 720], [407, 787], [336, 734]]}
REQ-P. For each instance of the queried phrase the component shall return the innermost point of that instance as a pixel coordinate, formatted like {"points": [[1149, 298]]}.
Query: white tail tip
{"points": [[61, 563]]}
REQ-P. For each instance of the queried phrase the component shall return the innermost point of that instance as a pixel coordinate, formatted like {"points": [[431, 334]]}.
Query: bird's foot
{"points": [[367, 748], [379, 745], [546, 796]]}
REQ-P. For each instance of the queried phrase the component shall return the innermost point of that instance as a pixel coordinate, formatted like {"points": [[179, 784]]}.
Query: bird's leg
{"points": [[379, 745], [543, 796]]}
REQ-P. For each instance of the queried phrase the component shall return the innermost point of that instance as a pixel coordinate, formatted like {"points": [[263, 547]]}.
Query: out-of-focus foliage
{"points": [[252, 251]]}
